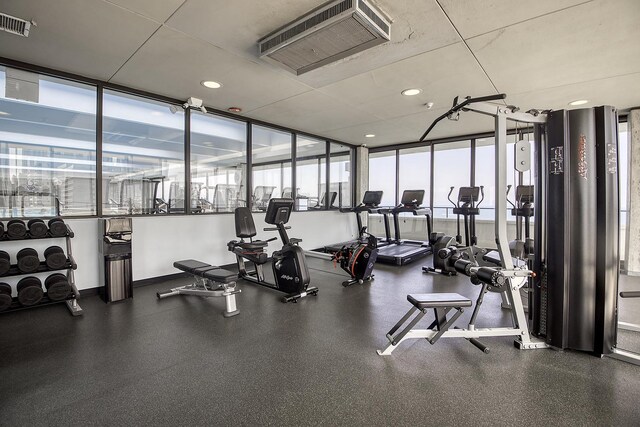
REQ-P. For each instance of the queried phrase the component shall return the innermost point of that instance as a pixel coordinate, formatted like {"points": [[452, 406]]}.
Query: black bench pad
{"points": [[438, 300], [207, 271], [220, 275]]}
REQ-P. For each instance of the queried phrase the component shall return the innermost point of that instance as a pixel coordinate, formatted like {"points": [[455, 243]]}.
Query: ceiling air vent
{"points": [[331, 32], [14, 25]]}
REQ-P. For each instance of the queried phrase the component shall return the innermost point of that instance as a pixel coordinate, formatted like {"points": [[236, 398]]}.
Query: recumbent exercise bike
{"points": [[289, 264]]}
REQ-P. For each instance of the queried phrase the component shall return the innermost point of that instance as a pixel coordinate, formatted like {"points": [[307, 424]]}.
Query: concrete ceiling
{"points": [[542, 53]]}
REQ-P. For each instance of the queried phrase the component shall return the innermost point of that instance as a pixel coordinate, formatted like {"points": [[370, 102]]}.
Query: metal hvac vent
{"points": [[14, 25], [334, 31]]}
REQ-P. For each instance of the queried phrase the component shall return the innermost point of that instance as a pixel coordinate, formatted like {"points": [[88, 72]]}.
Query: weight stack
{"points": [[580, 230]]}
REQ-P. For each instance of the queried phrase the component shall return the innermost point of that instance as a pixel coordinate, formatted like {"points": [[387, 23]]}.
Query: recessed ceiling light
{"points": [[211, 84], [579, 102], [156, 113], [4, 113], [234, 109], [370, 135], [411, 92]]}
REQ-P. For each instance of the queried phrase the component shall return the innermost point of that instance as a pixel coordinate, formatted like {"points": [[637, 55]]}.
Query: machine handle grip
{"points": [[449, 196], [481, 196], [630, 294]]}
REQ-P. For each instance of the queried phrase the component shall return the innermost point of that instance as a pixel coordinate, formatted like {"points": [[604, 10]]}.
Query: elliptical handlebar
{"points": [[510, 202], [449, 197], [481, 196], [457, 107]]}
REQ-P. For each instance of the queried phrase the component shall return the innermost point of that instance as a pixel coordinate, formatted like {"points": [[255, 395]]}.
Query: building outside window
{"points": [[339, 195], [271, 165], [47, 146], [143, 156], [218, 163]]}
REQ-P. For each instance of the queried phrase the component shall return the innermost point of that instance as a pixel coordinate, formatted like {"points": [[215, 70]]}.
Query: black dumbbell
{"points": [[37, 228], [5, 296], [5, 263], [58, 287], [55, 258], [1, 228], [30, 291], [28, 261], [16, 229], [57, 227]]}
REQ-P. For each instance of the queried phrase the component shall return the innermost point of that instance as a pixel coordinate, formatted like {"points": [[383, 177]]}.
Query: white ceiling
{"points": [[542, 53]]}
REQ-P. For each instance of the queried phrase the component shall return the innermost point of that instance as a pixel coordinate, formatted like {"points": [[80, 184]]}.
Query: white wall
{"points": [[158, 241]]}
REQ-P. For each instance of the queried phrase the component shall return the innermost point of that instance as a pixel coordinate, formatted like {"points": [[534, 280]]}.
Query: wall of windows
{"points": [[49, 150], [47, 146], [311, 171], [218, 163], [271, 165], [382, 176], [340, 172], [142, 157]]}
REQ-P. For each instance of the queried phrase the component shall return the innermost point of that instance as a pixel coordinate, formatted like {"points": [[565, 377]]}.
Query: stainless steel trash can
{"points": [[116, 273]]}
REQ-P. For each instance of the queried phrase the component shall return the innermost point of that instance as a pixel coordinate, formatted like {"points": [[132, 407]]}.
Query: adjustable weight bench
{"points": [[441, 303], [210, 281]]}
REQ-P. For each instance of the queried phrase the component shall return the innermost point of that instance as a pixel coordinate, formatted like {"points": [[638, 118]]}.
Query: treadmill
{"points": [[402, 251], [370, 203]]}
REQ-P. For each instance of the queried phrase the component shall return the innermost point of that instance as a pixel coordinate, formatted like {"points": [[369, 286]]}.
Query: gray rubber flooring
{"points": [[179, 362]]}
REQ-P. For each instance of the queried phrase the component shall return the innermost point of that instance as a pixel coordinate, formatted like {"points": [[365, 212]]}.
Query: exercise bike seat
{"points": [[438, 300], [258, 244]]}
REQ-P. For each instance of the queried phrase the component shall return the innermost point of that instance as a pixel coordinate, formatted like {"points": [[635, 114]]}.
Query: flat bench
{"points": [[441, 303], [206, 271], [211, 281]]}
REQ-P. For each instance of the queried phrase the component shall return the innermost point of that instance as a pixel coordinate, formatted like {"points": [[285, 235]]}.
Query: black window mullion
{"points": [[187, 162], [249, 189], [294, 167], [99, 195], [327, 175], [472, 177], [397, 177]]}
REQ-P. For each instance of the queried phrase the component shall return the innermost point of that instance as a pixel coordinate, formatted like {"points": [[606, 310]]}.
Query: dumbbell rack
{"points": [[70, 266]]}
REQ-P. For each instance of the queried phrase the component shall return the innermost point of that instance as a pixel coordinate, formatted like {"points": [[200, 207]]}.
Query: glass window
{"points": [[47, 146], [486, 174], [311, 155], [415, 171], [623, 180], [452, 168], [382, 176], [271, 165], [143, 156], [340, 176], [218, 162]]}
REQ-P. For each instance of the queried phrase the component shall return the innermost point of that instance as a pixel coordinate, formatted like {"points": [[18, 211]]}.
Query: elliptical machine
{"points": [[522, 209], [467, 206], [358, 259], [289, 264]]}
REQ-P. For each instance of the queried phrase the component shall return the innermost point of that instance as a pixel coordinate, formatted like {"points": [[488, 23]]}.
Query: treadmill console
{"points": [[412, 198], [372, 198]]}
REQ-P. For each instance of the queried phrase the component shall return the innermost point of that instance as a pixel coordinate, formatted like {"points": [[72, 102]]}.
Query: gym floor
{"points": [[179, 362]]}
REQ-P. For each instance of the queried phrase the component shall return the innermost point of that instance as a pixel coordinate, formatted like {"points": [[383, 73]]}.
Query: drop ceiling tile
{"points": [[620, 92], [91, 38], [237, 25], [442, 74], [154, 9], [173, 64], [587, 42], [410, 128], [418, 26], [473, 18], [313, 112]]}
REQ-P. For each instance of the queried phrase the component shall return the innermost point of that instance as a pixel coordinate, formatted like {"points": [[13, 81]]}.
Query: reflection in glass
{"points": [[311, 155], [271, 165], [143, 157], [47, 146], [218, 162], [340, 173]]}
